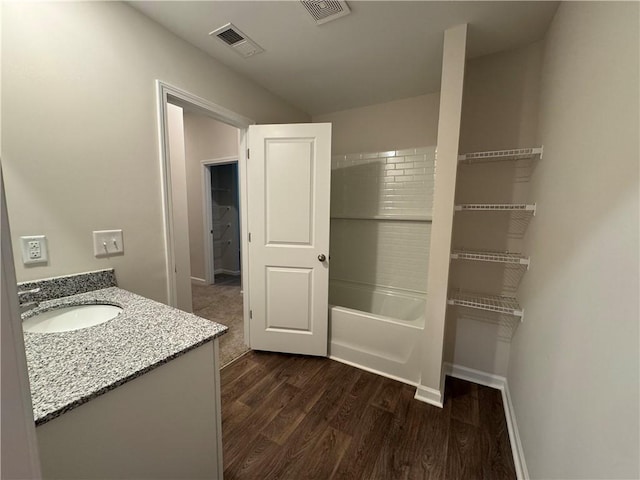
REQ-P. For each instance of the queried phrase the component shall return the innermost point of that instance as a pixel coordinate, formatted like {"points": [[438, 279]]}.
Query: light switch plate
{"points": [[34, 249], [107, 243]]}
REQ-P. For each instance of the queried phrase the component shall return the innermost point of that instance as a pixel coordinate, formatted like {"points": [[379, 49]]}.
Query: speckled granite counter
{"points": [[67, 369]]}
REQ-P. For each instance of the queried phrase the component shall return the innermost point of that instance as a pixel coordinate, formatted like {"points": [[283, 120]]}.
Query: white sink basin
{"points": [[65, 319]]}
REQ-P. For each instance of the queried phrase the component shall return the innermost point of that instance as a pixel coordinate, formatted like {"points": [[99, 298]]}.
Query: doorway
{"points": [[286, 253], [222, 223], [213, 207], [219, 296], [196, 134]]}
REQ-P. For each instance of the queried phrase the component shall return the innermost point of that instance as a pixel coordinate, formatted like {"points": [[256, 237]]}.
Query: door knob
{"points": [[321, 257]]}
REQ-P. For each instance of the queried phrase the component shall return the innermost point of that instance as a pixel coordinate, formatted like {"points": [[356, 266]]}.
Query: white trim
{"points": [[429, 395], [179, 96], [167, 203], [198, 281], [21, 456], [373, 370], [514, 435], [220, 160], [475, 376], [243, 199], [209, 259], [235, 273], [499, 382], [183, 98]]}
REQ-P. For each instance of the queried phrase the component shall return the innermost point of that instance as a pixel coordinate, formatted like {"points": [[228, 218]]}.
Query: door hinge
{"points": [[249, 237], [248, 156], [250, 313]]}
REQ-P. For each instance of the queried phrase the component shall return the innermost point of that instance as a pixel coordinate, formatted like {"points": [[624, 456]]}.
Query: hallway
{"points": [[222, 303]]}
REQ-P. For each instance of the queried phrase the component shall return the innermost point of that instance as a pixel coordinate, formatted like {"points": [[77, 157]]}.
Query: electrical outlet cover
{"points": [[34, 249]]}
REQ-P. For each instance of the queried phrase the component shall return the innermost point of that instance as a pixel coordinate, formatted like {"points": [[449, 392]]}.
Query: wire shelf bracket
{"points": [[500, 155], [491, 303], [486, 256]]}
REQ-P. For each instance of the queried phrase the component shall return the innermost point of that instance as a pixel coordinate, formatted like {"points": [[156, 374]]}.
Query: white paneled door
{"points": [[289, 172]]}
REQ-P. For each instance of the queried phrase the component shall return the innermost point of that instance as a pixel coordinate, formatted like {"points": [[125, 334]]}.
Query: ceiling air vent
{"points": [[324, 11], [238, 41], [230, 36]]}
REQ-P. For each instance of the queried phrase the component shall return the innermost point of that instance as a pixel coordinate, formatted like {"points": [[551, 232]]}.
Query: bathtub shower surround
{"points": [[377, 329], [372, 185], [381, 207], [383, 253]]}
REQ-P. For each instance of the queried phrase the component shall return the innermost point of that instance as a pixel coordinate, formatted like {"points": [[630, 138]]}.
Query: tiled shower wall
{"points": [[381, 206], [385, 183]]}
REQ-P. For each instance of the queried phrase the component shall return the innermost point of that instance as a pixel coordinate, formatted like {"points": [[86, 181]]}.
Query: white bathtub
{"points": [[376, 329]]}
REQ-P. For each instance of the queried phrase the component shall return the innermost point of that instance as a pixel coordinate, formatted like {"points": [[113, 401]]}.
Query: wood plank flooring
{"points": [[294, 417]]}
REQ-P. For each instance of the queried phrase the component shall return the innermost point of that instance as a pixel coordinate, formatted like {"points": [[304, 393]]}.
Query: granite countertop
{"points": [[67, 369]]}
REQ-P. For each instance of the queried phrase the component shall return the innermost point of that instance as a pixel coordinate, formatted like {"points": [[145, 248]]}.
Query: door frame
{"points": [[21, 456], [209, 260], [167, 93]]}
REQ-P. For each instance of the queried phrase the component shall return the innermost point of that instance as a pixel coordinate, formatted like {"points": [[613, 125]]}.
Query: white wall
{"points": [[205, 139], [407, 123], [79, 137], [499, 111], [573, 371], [431, 386]]}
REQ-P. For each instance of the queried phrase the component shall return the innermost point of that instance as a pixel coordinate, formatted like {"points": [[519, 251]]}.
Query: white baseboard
{"points": [[499, 382], [514, 435], [228, 272], [475, 376], [429, 395], [373, 370], [198, 281]]}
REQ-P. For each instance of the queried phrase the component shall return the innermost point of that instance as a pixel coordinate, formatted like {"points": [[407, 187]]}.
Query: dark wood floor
{"points": [[295, 417]]}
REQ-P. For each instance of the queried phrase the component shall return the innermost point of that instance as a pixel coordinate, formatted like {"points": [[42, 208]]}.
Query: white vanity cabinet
{"points": [[165, 423]]}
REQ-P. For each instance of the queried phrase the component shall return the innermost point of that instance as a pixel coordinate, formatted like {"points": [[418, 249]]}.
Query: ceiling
{"points": [[382, 51]]}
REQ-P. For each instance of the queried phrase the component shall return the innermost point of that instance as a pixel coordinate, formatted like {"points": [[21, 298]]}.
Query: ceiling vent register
{"points": [[324, 11], [236, 40]]}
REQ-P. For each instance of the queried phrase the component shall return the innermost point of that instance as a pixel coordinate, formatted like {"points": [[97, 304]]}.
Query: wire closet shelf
{"points": [[500, 155], [497, 207], [487, 256], [491, 303]]}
